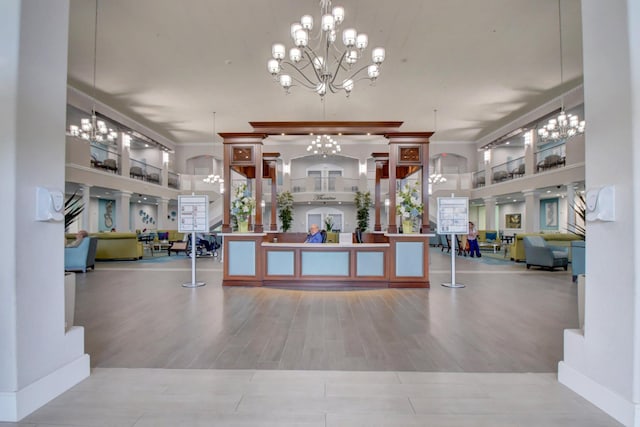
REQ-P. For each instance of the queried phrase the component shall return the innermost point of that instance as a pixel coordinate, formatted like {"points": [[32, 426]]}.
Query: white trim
{"points": [[613, 404], [14, 406]]}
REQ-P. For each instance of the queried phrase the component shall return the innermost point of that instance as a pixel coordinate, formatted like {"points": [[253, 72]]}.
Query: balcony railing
{"points": [[477, 179], [552, 157], [173, 180], [145, 172], [313, 184], [105, 159]]}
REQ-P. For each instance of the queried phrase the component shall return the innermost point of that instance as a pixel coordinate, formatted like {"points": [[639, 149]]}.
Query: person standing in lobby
{"points": [[472, 238]]}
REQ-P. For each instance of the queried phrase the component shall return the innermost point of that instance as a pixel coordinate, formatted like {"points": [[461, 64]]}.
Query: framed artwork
{"points": [[549, 214], [513, 220]]}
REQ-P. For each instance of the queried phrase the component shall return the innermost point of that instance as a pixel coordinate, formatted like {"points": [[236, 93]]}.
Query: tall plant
{"points": [[285, 206], [363, 204], [579, 206], [72, 208]]}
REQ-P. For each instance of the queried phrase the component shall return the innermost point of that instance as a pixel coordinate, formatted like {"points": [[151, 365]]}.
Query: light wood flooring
{"points": [[507, 319]]}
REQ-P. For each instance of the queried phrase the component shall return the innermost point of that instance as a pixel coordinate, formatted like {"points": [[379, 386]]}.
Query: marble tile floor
{"points": [[121, 397]]}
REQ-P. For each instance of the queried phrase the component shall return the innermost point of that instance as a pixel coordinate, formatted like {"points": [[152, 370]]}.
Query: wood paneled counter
{"points": [[252, 259]]}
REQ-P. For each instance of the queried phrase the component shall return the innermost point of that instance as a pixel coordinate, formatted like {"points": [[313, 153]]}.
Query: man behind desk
{"points": [[314, 235]]}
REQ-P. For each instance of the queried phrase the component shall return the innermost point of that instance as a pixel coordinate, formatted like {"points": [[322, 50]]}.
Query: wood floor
{"points": [[507, 319]]}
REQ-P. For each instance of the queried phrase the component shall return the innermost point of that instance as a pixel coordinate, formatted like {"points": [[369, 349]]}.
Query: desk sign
{"points": [[193, 213], [453, 215]]}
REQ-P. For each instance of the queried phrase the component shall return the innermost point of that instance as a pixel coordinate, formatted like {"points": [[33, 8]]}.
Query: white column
{"points": [[164, 177], [531, 211], [490, 213], [86, 201], [571, 213], [38, 359], [124, 148], [123, 211], [602, 363], [163, 212], [529, 155]]}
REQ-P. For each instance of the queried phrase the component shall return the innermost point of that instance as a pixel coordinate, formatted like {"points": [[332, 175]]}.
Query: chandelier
{"points": [[564, 126], [92, 129], [324, 67], [324, 145], [212, 179], [436, 178]]}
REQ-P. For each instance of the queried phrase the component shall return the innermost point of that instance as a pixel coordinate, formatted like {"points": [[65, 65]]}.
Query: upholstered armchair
{"points": [[539, 254], [82, 256]]}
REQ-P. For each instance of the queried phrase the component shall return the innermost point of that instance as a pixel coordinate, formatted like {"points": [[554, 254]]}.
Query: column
{"points": [[531, 211], [86, 202], [490, 213], [163, 212], [124, 147], [488, 177], [529, 154], [39, 360], [164, 174], [382, 160], [571, 200], [123, 211]]}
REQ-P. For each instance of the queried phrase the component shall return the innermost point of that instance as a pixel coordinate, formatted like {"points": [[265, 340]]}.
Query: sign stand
{"points": [[453, 218], [193, 215]]}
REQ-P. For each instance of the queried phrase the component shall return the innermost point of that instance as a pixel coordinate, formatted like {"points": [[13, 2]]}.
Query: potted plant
{"points": [[363, 204], [409, 206], [285, 206], [242, 207], [578, 246], [328, 223], [72, 208]]}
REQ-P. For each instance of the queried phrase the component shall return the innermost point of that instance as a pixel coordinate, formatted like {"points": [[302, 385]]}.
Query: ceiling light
{"points": [[92, 129], [316, 63], [323, 145], [564, 126]]}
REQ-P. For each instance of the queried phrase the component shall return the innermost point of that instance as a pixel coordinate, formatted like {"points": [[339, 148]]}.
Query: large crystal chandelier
{"points": [[324, 67], [564, 126], [92, 129], [324, 145]]}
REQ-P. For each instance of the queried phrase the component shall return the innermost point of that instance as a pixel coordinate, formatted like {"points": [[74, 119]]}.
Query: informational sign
{"points": [[453, 215], [193, 213]]}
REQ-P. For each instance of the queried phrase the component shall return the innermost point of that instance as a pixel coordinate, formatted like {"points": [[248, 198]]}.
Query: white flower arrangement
{"points": [[243, 204], [408, 204]]}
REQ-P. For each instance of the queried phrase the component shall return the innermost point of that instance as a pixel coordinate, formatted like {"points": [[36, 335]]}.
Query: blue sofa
{"points": [[81, 257], [539, 254]]}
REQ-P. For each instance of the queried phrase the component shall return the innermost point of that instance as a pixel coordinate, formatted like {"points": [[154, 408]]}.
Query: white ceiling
{"points": [[170, 64]]}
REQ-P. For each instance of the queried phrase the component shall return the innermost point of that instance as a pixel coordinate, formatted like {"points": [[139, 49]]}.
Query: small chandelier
{"points": [[564, 126], [94, 130], [436, 178], [324, 145], [318, 68]]}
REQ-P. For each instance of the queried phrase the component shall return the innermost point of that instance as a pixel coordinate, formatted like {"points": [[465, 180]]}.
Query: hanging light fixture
{"points": [[564, 126], [213, 178], [324, 145], [324, 67], [92, 129], [436, 178]]}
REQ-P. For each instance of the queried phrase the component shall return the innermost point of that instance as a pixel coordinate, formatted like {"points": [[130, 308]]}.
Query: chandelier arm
{"points": [[353, 75], [313, 85], [303, 83], [335, 75], [318, 76]]}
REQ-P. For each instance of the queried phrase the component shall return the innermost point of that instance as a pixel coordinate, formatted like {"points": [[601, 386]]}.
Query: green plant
{"points": [[328, 223], [285, 206], [363, 204], [72, 208], [408, 204], [579, 206], [243, 204]]}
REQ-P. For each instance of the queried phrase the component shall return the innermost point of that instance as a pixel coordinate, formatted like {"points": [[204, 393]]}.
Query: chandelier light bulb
{"points": [[295, 54], [294, 28], [328, 23], [348, 85], [278, 51], [349, 37], [351, 57], [338, 14], [307, 22], [285, 80], [273, 66], [373, 72], [301, 38], [362, 40], [377, 55]]}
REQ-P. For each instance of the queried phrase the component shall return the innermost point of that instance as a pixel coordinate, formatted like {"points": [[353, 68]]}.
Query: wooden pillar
{"points": [[242, 153], [408, 152], [382, 163], [269, 161]]}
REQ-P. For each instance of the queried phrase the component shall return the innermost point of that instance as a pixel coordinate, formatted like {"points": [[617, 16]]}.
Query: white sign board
{"points": [[193, 214], [453, 215]]}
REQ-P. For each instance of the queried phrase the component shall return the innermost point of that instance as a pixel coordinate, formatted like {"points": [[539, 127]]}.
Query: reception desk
{"points": [[395, 260]]}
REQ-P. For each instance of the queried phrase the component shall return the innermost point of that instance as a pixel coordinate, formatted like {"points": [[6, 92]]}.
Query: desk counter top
{"points": [[325, 245]]}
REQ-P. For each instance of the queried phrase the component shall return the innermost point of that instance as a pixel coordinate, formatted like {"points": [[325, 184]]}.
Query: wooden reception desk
{"points": [[394, 260]]}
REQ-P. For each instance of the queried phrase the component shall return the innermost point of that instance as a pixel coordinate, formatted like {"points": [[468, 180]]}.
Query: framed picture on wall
{"points": [[513, 220], [549, 214]]}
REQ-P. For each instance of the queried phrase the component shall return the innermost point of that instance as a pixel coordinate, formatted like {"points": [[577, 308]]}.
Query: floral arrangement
{"points": [[243, 205], [285, 204], [408, 204], [328, 222]]}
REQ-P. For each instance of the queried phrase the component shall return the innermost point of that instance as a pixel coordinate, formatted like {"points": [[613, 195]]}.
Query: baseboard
{"points": [[616, 406], [15, 406]]}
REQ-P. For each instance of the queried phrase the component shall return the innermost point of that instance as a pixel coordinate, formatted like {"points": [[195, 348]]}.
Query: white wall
{"points": [[38, 360], [136, 220], [603, 364]]}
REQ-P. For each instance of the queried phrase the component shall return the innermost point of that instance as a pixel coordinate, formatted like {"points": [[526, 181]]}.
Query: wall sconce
{"points": [[165, 158], [126, 140], [387, 202], [363, 168], [528, 137], [487, 156], [286, 168], [263, 204]]}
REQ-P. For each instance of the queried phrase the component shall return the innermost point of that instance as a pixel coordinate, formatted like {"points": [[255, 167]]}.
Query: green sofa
{"points": [[112, 246], [516, 250]]}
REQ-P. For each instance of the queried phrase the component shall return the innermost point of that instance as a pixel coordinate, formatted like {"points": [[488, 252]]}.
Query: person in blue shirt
{"points": [[314, 234]]}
